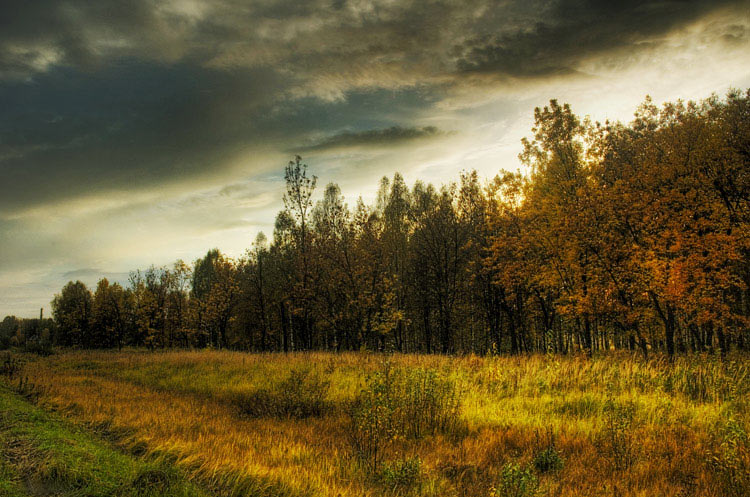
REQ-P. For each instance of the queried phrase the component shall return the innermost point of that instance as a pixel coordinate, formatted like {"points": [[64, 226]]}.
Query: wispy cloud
{"points": [[373, 138]]}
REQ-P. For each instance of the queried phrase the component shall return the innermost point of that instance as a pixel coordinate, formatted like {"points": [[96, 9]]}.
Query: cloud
{"points": [[81, 273], [132, 126], [326, 48], [571, 31], [138, 126], [373, 138]]}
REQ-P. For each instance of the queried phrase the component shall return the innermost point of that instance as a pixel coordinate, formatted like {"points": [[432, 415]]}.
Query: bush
{"points": [[401, 474], [371, 428], [516, 481], [617, 435], [302, 394], [730, 462], [38, 346], [10, 366], [401, 403], [548, 459], [426, 404]]}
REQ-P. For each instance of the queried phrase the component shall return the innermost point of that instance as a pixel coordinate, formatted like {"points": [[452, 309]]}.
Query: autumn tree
{"points": [[109, 322], [298, 205], [72, 310]]}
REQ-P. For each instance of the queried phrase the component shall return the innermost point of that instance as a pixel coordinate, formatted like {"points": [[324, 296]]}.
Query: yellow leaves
{"points": [[613, 214]]}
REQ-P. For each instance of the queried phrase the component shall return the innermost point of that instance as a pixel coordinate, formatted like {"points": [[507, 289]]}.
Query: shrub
{"points": [[730, 462], [370, 427], [547, 458], [302, 394], [401, 474], [426, 404], [516, 481], [617, 435], [401, 403], [38, 346], [10, 366]]}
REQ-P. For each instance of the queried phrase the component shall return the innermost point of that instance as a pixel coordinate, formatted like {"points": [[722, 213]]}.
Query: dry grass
{"points": [[622, 426]]}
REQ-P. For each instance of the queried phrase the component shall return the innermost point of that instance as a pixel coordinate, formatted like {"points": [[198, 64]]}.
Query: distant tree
{"points": [[298, 205], [214, 294], [9, 328], [179, 281], [439, 244], [109, 314], [72, 310]]}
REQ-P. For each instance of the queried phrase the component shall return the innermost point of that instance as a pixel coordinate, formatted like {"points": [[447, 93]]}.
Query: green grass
{"points": [[41, 454]]}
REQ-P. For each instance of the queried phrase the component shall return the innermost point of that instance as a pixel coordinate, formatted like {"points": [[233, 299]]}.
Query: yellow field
{"points": [[620, 425]]}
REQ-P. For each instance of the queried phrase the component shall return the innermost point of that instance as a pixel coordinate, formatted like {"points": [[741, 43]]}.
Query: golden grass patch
{"points": [[622, 426]]}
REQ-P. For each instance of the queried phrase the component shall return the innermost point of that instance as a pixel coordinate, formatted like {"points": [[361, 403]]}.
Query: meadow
{"points": [[363, 424]]}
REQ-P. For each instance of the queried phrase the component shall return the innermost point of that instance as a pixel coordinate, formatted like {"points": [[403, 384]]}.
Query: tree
{"points": [[439, 243], [214, 291], [109, 314], [72, 310], [297, 204]]}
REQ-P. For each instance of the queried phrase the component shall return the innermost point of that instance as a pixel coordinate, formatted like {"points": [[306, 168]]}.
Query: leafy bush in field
{"points": [[40, 346], [401, 474], [618, 439], [371, 428], [302, 394], [547, 458], [401, 403], [730, 462], [10, 366], [516, 481]]}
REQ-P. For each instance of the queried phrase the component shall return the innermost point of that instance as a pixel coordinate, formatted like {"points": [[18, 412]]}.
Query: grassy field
{"points": [[229, 423], [45, 455]]}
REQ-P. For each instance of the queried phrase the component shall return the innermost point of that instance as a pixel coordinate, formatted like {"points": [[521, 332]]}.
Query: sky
{"points": [[142, 132]]}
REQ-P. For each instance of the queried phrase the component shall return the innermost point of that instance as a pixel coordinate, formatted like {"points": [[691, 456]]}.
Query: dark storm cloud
{"points": [[129, 124], [573, 30], [373, 137], [134, 125], [74, 32], [371, 41], [112, 95]]}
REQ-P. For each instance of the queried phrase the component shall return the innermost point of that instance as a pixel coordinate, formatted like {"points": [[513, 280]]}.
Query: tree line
{"points": [[619, 236]]}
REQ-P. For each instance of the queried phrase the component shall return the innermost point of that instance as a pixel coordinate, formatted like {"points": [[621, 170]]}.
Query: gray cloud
{"points": [[133, 125], [111, 95], [373, 137], [322, 47], [573, 30], [81, 273]]}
